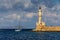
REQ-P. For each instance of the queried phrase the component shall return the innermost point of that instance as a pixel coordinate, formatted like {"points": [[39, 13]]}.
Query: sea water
{"points": [[8, 34]]}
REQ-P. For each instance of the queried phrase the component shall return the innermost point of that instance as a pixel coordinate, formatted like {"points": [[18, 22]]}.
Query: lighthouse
{"points": [[40, 16], [39, 24]]}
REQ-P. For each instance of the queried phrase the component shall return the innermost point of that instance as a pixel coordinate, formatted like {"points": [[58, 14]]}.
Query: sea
{"points": [[11, 34]]}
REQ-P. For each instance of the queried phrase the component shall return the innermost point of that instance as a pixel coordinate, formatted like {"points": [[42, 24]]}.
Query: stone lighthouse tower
{"points": [[40, 16], [39, 24]]}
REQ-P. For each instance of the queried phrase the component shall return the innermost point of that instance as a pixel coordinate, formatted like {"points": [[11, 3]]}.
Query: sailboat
{"points": [[17, 30], [18, 27]]}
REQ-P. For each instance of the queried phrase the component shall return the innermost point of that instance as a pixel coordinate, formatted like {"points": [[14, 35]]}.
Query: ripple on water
{"points": [[28, 35]]}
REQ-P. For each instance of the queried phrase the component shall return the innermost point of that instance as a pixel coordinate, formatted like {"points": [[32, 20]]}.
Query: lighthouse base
{"points": [[48, 28]]}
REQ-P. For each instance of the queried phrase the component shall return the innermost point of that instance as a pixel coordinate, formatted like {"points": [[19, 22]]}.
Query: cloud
{"points": [[27, 3], [26, 11], [30, 15], [51, 15], [6, 3], [10, 3], [13, 16], [10, 20]]}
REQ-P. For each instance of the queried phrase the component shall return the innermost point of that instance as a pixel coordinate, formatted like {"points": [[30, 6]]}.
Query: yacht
{"points": [[18, 28]]}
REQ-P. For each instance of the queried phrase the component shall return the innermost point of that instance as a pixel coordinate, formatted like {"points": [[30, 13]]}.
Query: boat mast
{"points": [[18, 17]]}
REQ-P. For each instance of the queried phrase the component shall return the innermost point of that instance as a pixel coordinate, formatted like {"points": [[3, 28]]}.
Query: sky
{"points": [[24, 12]]}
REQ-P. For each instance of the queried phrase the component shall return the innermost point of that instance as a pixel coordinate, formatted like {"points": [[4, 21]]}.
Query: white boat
{"points": [[17, 30]]}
